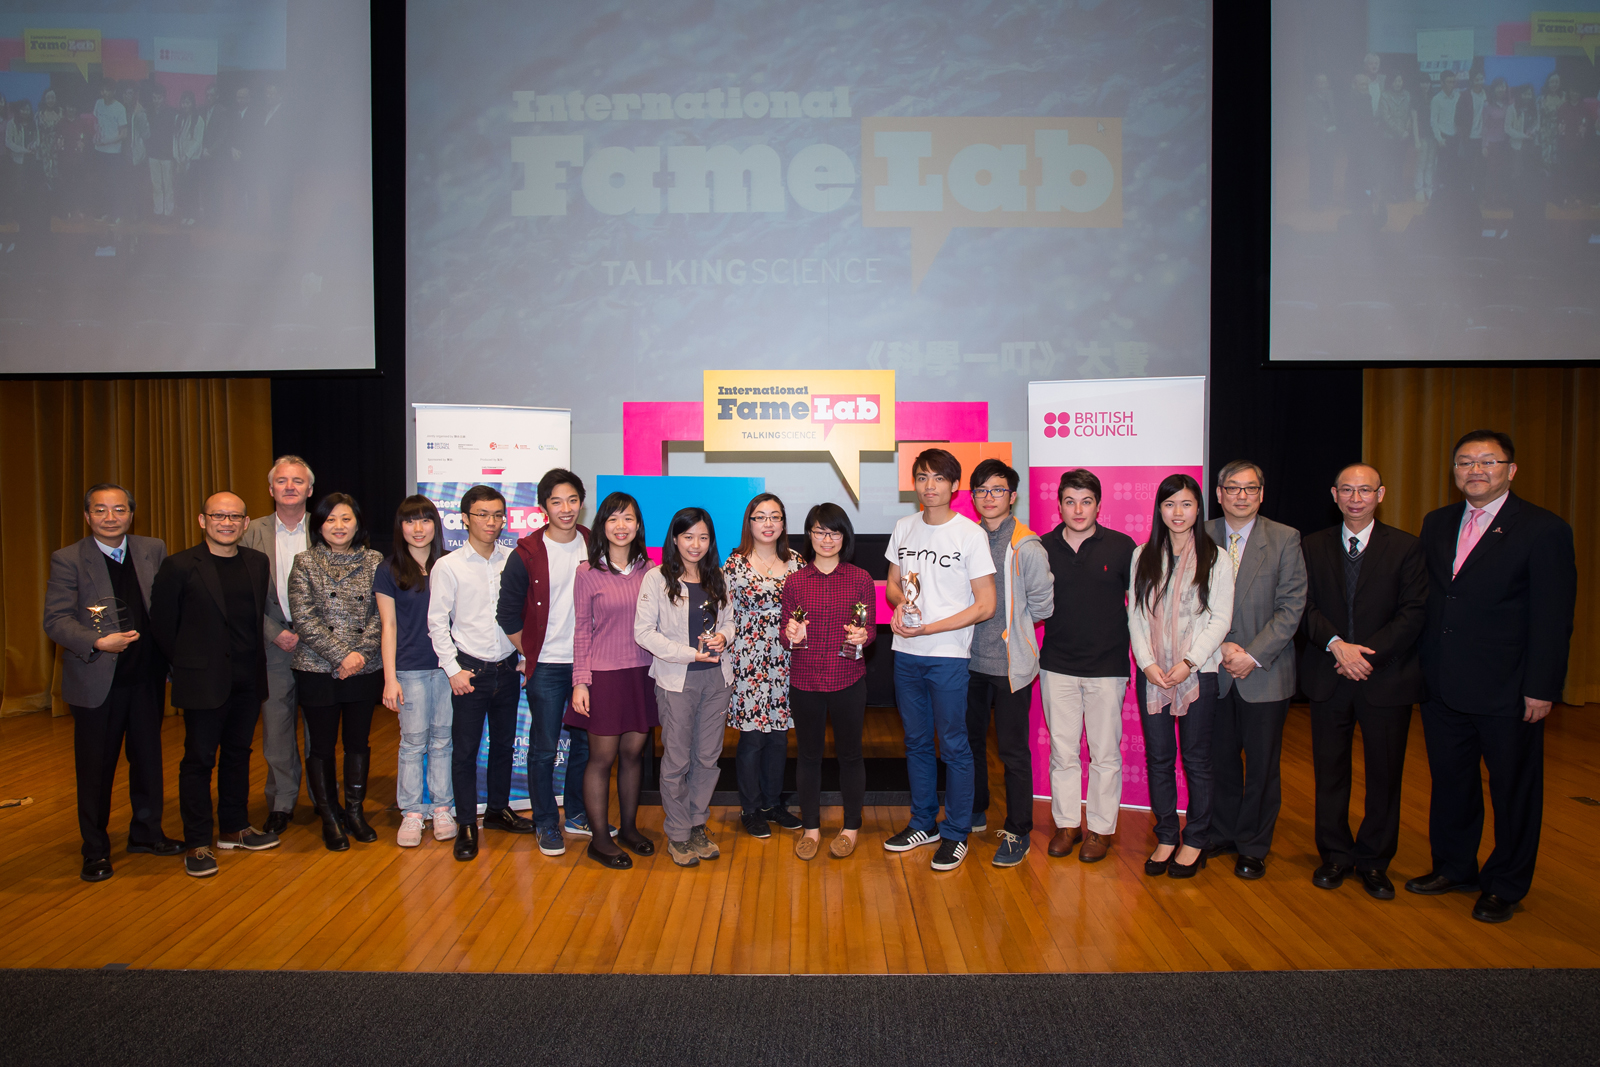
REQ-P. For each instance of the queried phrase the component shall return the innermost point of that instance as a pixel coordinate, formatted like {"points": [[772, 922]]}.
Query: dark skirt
{"points": [[620, 702], [313, 689]]}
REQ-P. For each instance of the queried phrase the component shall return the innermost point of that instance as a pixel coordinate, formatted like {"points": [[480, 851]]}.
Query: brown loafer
{"points": [[1061, 844], [1094, 847], [841, 846], [806, 847]]}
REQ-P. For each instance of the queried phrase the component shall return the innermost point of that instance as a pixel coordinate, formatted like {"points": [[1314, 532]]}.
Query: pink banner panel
{"points": [[646, 426]]}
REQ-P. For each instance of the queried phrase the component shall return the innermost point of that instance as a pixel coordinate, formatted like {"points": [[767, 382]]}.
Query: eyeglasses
{"points": [[826, 535], [1250, 491], [1362, 491], [497, 516], [226, 516], [1488, 465], [764, 516], [100, 511], [990, 494]]}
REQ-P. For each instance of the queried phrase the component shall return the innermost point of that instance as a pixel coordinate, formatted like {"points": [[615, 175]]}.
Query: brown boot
{"points": [[1061, 844], [1094, 847]]}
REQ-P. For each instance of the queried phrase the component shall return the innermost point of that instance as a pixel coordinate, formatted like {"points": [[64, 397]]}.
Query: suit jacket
{"points": [[188, 613], [262, 535], [79, 577], [1269, 596], [1391, 606], [1499, 630]]}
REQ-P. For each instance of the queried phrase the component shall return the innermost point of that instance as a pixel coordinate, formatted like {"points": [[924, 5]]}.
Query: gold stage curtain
{"points": [[1413, 415], [171, 442]]}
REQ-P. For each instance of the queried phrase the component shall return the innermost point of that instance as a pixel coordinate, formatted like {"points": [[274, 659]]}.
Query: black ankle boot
{"points": [[319, 775], [355, 791]]}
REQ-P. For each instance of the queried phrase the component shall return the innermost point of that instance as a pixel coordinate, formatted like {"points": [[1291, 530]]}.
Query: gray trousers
{"points": [[279, 745], [691, 741]]}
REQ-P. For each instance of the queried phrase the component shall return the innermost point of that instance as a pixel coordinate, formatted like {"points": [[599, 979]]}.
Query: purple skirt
{"points": [[620, 702]]}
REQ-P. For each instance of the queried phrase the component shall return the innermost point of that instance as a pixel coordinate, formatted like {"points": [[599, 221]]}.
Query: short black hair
{"points": [[1079, 479], [319, 515], [101, 487], [553, 478], [1501, 439], [938, 461], [833, 518], [480, 492], [995, 468]]}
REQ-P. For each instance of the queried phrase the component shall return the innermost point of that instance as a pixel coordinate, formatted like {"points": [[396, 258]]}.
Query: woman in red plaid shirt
{"points": [[823, 683]]}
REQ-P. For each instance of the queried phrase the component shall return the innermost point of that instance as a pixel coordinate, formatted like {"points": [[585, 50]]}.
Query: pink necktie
{"points": [[1469, 537]]}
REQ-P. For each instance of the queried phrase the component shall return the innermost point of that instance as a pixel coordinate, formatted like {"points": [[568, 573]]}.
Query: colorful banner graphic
{"points": [[1566, 29], [76, 47]]}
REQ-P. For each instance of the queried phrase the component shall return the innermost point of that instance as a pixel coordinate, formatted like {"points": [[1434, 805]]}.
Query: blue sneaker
{"points": [[550, 842], [1012, 849], [578, 826]]}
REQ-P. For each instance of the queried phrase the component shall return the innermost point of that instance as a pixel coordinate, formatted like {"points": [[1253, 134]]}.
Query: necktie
{"points": [[1469, 537], [1355, 547], [116, 553], [1233, 552]]}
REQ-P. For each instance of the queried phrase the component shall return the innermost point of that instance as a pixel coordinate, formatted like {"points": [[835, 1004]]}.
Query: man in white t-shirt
{"points": [[110, 131], [945, 557], [536, 612]]}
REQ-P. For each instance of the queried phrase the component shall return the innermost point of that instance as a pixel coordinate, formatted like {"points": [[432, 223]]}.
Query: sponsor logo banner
{"points": [[1117, 422], [186, 55], [77, 47], [1566, 29]]}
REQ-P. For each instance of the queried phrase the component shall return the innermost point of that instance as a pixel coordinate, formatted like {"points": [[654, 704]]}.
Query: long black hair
{"points": [[834, 519], [710, 564], [325, 506], [408, 575], [1150, 579], [600, 545]]}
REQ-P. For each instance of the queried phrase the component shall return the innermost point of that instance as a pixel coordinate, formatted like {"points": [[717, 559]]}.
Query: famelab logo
{"points": [[80, 48], [1089, 424]]}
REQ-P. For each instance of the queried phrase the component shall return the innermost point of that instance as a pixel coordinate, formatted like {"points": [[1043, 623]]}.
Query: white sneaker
{"points": [[410, 835], [444, 824]]}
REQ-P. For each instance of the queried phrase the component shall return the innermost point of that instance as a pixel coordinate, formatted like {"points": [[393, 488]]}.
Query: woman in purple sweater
{"points": [[612, 695]]}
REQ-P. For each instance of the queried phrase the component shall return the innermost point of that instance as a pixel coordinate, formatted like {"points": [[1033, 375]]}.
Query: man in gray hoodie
{"points": [[1005, 657]]}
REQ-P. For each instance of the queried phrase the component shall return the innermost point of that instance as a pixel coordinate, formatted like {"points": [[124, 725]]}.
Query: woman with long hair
{"points": [[611, 693], [22, 146], [827, 684], [755, 574], [337, 668], [1180, 606], [414, 685], [188, 141], [1394, 127], [685, 622], [1496, 139]]}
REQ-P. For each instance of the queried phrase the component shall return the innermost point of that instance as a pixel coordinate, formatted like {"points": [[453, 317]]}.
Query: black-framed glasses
{"points": [[990, 494], [226, 516], [1488, 465], [826, 535], [1247, 491], [498, 516]]}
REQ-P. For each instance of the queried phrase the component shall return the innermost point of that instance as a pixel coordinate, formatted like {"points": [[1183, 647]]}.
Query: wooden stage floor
{"points": [[758, 909]]}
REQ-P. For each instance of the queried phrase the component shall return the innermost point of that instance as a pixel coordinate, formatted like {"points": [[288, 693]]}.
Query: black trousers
{"points": [[130, 716], [1513, 751], [1011, 738], [811, 711], [1246, 747], [1384, 733], [229, 729], [323, 725], [1163, 737], [758, 762], [493, 700]]}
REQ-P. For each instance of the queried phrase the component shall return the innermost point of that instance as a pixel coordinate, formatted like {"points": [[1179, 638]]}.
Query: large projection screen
{"points": [[1436, 182], [187, 186], [606, 200]]}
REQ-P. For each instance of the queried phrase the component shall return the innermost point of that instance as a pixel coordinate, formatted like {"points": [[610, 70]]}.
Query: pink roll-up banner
{"points": [[1132, 433]]}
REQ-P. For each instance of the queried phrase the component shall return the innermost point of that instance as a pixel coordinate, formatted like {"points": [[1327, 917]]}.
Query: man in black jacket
{"points": [[206, 609], [1502, 583], [1366, 601]]}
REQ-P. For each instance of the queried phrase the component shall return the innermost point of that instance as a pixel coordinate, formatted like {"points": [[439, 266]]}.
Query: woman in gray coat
{"points": [[337, 667]]}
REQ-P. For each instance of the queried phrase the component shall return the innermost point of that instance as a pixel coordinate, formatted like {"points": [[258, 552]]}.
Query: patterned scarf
{"points": [[1171, 631]]}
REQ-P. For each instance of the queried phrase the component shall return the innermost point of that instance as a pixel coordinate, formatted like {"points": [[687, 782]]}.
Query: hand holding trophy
{"points": [[911, 588], [706, 635], [858, 621], [799, 615], [106, 615]]}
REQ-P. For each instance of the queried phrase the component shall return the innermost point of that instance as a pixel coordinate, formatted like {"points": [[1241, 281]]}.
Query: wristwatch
{"points": [[1193, 666]]}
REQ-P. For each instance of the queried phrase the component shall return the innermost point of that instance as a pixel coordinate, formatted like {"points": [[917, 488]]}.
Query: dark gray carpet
{"points": [[1331, 1019]]}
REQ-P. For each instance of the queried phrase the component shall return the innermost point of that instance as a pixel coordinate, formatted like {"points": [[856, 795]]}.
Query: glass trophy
{"points": [[799, 615], [911, 587], [858, 619], [106, 615]]}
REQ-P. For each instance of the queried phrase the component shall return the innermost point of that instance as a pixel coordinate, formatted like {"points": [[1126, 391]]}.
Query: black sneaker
{"points": [[951, 853], [908, 839], [783, 817], [755, 824], [200, 862]]}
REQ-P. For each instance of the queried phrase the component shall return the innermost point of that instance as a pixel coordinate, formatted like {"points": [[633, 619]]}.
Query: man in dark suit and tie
{"points": [[112, 675], [1502, 584], [1366, 600], [206, 610]]}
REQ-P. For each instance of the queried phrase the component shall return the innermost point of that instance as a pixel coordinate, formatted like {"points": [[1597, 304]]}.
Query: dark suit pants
{"points": [[1011, 738], [1383, 745], [1246, 748], [1513, 751], [493, 700], [228, 730], [1163, 737], [131, 715]]}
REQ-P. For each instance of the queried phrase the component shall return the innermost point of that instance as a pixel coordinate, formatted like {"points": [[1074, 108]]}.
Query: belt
{"points": [[483, 666]]}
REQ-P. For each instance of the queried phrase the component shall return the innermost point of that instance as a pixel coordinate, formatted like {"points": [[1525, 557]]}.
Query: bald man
{"points": [[206, 613]]}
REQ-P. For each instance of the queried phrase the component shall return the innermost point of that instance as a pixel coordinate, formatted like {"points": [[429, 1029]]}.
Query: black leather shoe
{"points": [[1330, 875], [1493, 909], [1226, 849], [1185, 870], [1377, 885], [1434, 884], [96, 870], [507, 820], [467, 841], [1156, 868], [617, 861], [277, 822], [166, 846], [639, 845], [1249, 867]]}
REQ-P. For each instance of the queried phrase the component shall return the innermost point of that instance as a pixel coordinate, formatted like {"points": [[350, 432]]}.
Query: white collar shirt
{"points": [[1493, 508], [287, 543], [463, 592], [111, 551], [1362, 538]]}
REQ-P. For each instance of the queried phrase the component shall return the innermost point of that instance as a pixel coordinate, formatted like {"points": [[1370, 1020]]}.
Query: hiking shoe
{"points": [[410, 835], [682, 853], [783, 817], [201, 862], [909, 838], [755, 824], [1012, 849], [702, 844], [445, 827], [550, 842], [249, 838], [951, 853]]}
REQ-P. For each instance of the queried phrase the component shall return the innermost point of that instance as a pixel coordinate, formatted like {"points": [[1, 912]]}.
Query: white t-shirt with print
{"points": [[564, 560], [946, 558]]}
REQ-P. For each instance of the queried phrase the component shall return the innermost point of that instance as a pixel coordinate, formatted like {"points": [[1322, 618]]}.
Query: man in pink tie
{"points": [[1502, 583]]}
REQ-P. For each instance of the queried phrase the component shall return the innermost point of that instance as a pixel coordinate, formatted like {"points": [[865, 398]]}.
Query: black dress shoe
{"points": [[165, 846], [1249, 867], [1330, 875], [1377, 884], [1434, 884], [639, 845], [1185, 870], [1225, 849], [507, 820], [466, 847], [1493, 909], [617, 861], [96, 870], [277, 821], [1156, 868]]}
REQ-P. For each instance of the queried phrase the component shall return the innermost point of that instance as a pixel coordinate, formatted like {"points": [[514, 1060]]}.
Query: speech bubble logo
{"points": [[840, 412], [79, 48], [1550, 29], [931, 175]]}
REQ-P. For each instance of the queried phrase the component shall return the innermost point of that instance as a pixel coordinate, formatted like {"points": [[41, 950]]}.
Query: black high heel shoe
{"points": [[1156, 868], [617, 861], [1185, 870]]}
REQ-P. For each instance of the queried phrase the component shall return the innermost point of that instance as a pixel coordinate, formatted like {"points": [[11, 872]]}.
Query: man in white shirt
{"points": [[463, 593], [110, 131], [280, 539], [945, 557], [1370, 65]]}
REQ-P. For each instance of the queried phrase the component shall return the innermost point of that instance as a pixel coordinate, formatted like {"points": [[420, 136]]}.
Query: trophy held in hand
{"points": [[799, 615], [106, 615], [858, 620], [911, 588]]}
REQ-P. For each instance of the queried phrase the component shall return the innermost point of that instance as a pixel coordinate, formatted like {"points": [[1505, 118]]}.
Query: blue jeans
{"points": [[760, 761], [425, 719], [549, 689], [932, 694], [1162, 737]]}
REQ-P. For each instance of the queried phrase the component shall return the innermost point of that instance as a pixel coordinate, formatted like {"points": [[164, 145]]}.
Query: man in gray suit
{"points": [[281, 538], [1258, 671], [112, 678]]}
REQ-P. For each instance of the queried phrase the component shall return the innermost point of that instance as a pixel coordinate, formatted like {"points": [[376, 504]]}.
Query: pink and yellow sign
{"points": [[77, 47]]}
